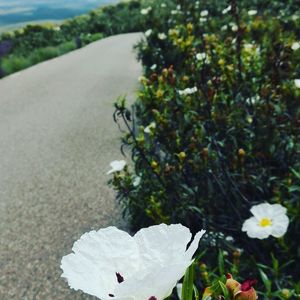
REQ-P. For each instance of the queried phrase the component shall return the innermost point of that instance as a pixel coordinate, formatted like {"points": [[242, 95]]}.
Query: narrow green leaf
{"points": [[188, 283]]}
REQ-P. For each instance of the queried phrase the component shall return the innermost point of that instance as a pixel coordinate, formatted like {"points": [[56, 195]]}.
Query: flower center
{"points": [[265, 222]]}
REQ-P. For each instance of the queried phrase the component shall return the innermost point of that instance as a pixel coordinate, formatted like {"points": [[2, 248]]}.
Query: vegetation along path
{"points": [[57, 138]]}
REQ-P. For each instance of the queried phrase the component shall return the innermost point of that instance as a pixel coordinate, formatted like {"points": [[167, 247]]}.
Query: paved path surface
{"points": [[57, 138]]}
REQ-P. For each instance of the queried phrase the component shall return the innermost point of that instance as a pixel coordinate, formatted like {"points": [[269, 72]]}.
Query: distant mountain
{"points": [[13, 11]]}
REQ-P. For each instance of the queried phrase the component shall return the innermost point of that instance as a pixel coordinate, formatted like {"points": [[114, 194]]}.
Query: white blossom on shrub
{"points": [[295, 46], [252, 12], [145, 11], [188, 91], [297, 83], [151, 126], [162, 36], [201, 56], [226, 10], [116, 166], [148, 32], [268, 219], [204, 13], [111, 264]]}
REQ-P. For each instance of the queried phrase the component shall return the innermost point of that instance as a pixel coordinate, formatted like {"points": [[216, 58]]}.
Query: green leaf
{"points": [[221, 263], [224, 290], [188, 283], [266, 281]]}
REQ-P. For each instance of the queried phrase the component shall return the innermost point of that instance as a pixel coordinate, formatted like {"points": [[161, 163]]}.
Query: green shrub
{"points": [[209, 154]]}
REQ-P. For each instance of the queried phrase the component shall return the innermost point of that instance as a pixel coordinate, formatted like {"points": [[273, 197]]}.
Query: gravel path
{"points": [[57, 138]]}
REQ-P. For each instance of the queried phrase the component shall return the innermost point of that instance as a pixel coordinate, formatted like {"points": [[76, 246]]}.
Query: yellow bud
{"points": [[221, 62], [154, 164], [241, 152], [182, 156], [159, 93]]}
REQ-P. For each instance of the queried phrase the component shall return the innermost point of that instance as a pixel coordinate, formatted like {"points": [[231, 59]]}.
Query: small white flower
{"points": [[201, 56], [188, 91], [162, 36], [226, 10], [153, 67], [252, 12], [151, 126], [204, 13], [178, 7], [234, 27], [145, 11], [268, 219], [174, 12], [163, 5], [116, 166], [297, 83], [203, 20], [148, 32], [111, 264], [137, 180], [229, 238], [295, 46], [224, 27]]}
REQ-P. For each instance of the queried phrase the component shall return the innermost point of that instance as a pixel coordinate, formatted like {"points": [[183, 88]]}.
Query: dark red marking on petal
{"points": [[120, 278], [248, 284], [228, 276], [111, 295], [152, 298]]}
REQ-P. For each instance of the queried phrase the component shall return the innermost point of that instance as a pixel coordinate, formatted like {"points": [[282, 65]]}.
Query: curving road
{"points": [[57, 138]]}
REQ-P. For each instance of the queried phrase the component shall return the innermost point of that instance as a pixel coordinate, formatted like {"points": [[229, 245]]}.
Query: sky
{"points": [[17, 11]]}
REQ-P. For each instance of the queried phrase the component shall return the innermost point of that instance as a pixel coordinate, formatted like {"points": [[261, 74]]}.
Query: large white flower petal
{"points": [[162, 243], [194, 245], [280, 225], [97, 257], [277, 210], [261, 210], [158, 283]]}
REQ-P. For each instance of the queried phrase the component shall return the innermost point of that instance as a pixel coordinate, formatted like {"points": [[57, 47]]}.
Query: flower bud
{"points": [[182, 156], [286, 293], [241, 153], [231, 284], [245, 291], [154, 164]]}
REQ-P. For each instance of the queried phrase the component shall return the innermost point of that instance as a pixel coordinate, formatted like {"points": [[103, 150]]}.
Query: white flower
{"points": [[153, 67], [162, 36], [151, 126], [188, 91], [174, 12], [297, 83], [201, 56], [224, 27], [111, 264], [178, 7], [203, 20], [116, 166], [204, 13], [268, 219], [145, 11], [148, 32], [229, 238], [295, 46], [226, 10], [163, 5], [234, 27], [252, 12], [136, 181]]}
